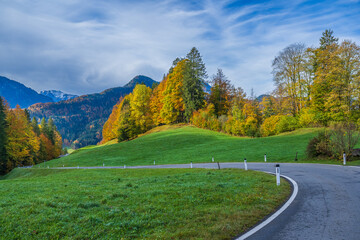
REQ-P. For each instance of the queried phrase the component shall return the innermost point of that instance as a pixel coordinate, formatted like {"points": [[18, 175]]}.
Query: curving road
{"points": [[327, 205]]}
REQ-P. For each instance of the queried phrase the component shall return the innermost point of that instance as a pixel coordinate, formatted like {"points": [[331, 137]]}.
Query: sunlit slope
{"points": [[186, 143]]}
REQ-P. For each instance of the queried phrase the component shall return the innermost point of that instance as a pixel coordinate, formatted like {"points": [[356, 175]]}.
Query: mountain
{"points": [[80, 120], [262, 96], [207, 88], [58, 96], [17, 93], [140, 79]]}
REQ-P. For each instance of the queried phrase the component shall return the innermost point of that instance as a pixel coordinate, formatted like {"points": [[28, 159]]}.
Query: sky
{"points": [[87, 46]]}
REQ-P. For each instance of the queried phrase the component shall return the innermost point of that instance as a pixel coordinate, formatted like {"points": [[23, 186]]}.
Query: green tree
{"points": [[51, 130], [194, 79], [35, 126], [327, 39], [3, 138], [220, 95]]}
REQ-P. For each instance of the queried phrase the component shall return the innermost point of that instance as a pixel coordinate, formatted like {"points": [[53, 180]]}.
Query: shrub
{"points": [[268, 127], [344, 138], [277, 124], [287, 123], [251, 127], [320, 146]]}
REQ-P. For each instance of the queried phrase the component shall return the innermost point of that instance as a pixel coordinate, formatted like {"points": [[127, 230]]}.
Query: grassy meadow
{"points": [[182, 144], [135, 203]]}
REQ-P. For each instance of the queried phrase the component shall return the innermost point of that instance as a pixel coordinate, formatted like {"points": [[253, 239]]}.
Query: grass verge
{"points": [[141, 204]]}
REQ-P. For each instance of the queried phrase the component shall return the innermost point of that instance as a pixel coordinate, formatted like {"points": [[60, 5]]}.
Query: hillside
{"points": [[182, 144], [80, 120], [17, 93]]}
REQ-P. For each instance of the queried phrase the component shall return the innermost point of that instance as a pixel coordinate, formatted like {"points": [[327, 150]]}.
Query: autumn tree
{"points": [[22, 141], [157, 102], [173, 105], [336, 83], [139, 107]]}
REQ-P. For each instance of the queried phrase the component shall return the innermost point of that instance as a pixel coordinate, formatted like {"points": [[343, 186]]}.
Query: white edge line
{"points": [[276, 214]]}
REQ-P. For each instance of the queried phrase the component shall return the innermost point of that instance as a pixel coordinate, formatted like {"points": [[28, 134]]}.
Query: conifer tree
{"points": [[35, 126], [3, 139], [220, 94], [194, 79], [327, 39], [51, 130]]}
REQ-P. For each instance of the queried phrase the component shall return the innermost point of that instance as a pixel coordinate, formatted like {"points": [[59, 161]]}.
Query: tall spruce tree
{"points": [[35, 126], [327, 39], [3, 139], [194, 79]]}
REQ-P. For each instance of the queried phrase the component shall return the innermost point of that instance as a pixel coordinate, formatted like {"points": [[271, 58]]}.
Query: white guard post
{"points": [[190, 164], [265, 157], [245, 164], [344, 158], [212, 159], [154, 162], [277, 171]]}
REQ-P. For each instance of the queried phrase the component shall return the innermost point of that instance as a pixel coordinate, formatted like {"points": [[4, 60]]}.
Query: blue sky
{"points": [[86, 46]]}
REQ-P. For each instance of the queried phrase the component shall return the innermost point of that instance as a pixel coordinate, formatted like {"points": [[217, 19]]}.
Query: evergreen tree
{"points": [[51, 130], [327, 39], [3, 139], [35, 126], [220, 94], [194, 79], [27, 115], [44, 127]]}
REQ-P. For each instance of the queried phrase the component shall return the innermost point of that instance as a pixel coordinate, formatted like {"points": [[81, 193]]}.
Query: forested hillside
{"points": [[24, 142], [317, 86], [80, 120]]}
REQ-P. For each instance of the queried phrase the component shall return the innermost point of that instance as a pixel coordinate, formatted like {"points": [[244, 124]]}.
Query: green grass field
{"points": [[186, 143], [129, 203]]}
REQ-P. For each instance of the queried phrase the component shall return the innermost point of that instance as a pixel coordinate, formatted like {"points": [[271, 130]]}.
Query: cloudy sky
{"points": [[86, 46]]}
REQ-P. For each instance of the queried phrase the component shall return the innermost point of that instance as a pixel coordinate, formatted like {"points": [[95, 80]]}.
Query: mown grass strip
{"points": [[141, 203]]}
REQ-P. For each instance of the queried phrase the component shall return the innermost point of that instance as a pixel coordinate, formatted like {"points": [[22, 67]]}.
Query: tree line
{"points": [[24, 142], [315, 86]]}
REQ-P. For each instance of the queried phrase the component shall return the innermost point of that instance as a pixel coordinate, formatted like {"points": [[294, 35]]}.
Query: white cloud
{"points": [[87, 46]]}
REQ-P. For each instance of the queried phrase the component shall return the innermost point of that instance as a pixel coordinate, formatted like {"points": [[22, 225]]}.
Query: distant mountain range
{"points": [[80, 120], [16, 93], [57, 95]]}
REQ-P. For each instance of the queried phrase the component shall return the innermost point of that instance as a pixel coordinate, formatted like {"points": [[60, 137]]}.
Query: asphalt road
{"points": [[327, 205]]}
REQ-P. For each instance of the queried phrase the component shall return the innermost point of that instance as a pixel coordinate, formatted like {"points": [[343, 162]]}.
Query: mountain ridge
{"points": [[80, 120], [16, 93]]}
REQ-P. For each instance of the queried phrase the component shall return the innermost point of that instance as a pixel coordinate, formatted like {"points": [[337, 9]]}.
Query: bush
{"points": [[268, 128], [320, 146], [251, 127], [277, 124], [344, 138], [287, 123]]}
